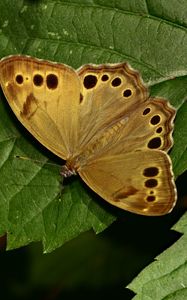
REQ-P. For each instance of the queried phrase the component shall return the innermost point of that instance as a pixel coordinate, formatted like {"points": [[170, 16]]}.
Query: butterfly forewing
{"points": [[107, 95], [45, 98]]}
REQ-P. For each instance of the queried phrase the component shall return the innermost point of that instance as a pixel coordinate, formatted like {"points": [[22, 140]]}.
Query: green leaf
{"points": [[34, 205], [166, 278], [150, 36]]}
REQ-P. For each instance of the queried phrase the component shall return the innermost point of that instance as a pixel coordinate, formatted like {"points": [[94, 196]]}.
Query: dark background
{"points": [[90, 266]]}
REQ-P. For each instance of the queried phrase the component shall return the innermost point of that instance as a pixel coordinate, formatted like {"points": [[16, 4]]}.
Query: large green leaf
{"points": [[166, 278], [150, 36], [34, 204]]}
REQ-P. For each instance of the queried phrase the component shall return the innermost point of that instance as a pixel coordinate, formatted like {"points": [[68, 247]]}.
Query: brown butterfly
{"points": [[100, 119]]}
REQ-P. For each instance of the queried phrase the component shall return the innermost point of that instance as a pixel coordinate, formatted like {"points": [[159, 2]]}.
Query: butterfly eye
{"points": [[150, 183], [38, 80], [105, 77], [155, 120], [159, 130], [116, 82], [19, 79], [151, 198], [151, 171], [127, 93], [52, 81], [90, 81], [146, 111], [154, 143]]}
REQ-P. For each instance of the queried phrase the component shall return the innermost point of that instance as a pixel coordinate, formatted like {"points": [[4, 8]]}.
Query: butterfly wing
{"points": [[45, 98], [140, 182], [108, 92], [125, 140], [116, 108], [129, 166]]}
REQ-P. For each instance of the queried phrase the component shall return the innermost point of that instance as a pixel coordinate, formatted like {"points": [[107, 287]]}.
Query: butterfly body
{"points": [[101, 120]]}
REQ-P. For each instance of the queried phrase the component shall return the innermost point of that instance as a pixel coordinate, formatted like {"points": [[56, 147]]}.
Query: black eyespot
{"points": [[104, 77], [19, 79], [159, 130], [150, 183], [38, 80], [154, 143], [90, 81], [146, 111], [151, 198], [52, 81], [155, 119], [81, 98], [116, 81], [127, 93], [151, 171]]}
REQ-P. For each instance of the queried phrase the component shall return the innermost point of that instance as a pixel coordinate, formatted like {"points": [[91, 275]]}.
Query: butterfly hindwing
{"points": [[141, 182]]}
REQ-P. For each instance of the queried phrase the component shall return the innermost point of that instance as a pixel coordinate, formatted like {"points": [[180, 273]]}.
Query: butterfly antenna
{"points": [[35, 160]]}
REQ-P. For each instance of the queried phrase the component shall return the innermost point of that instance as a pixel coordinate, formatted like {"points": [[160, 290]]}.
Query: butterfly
{"points": [[101, 120]]}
